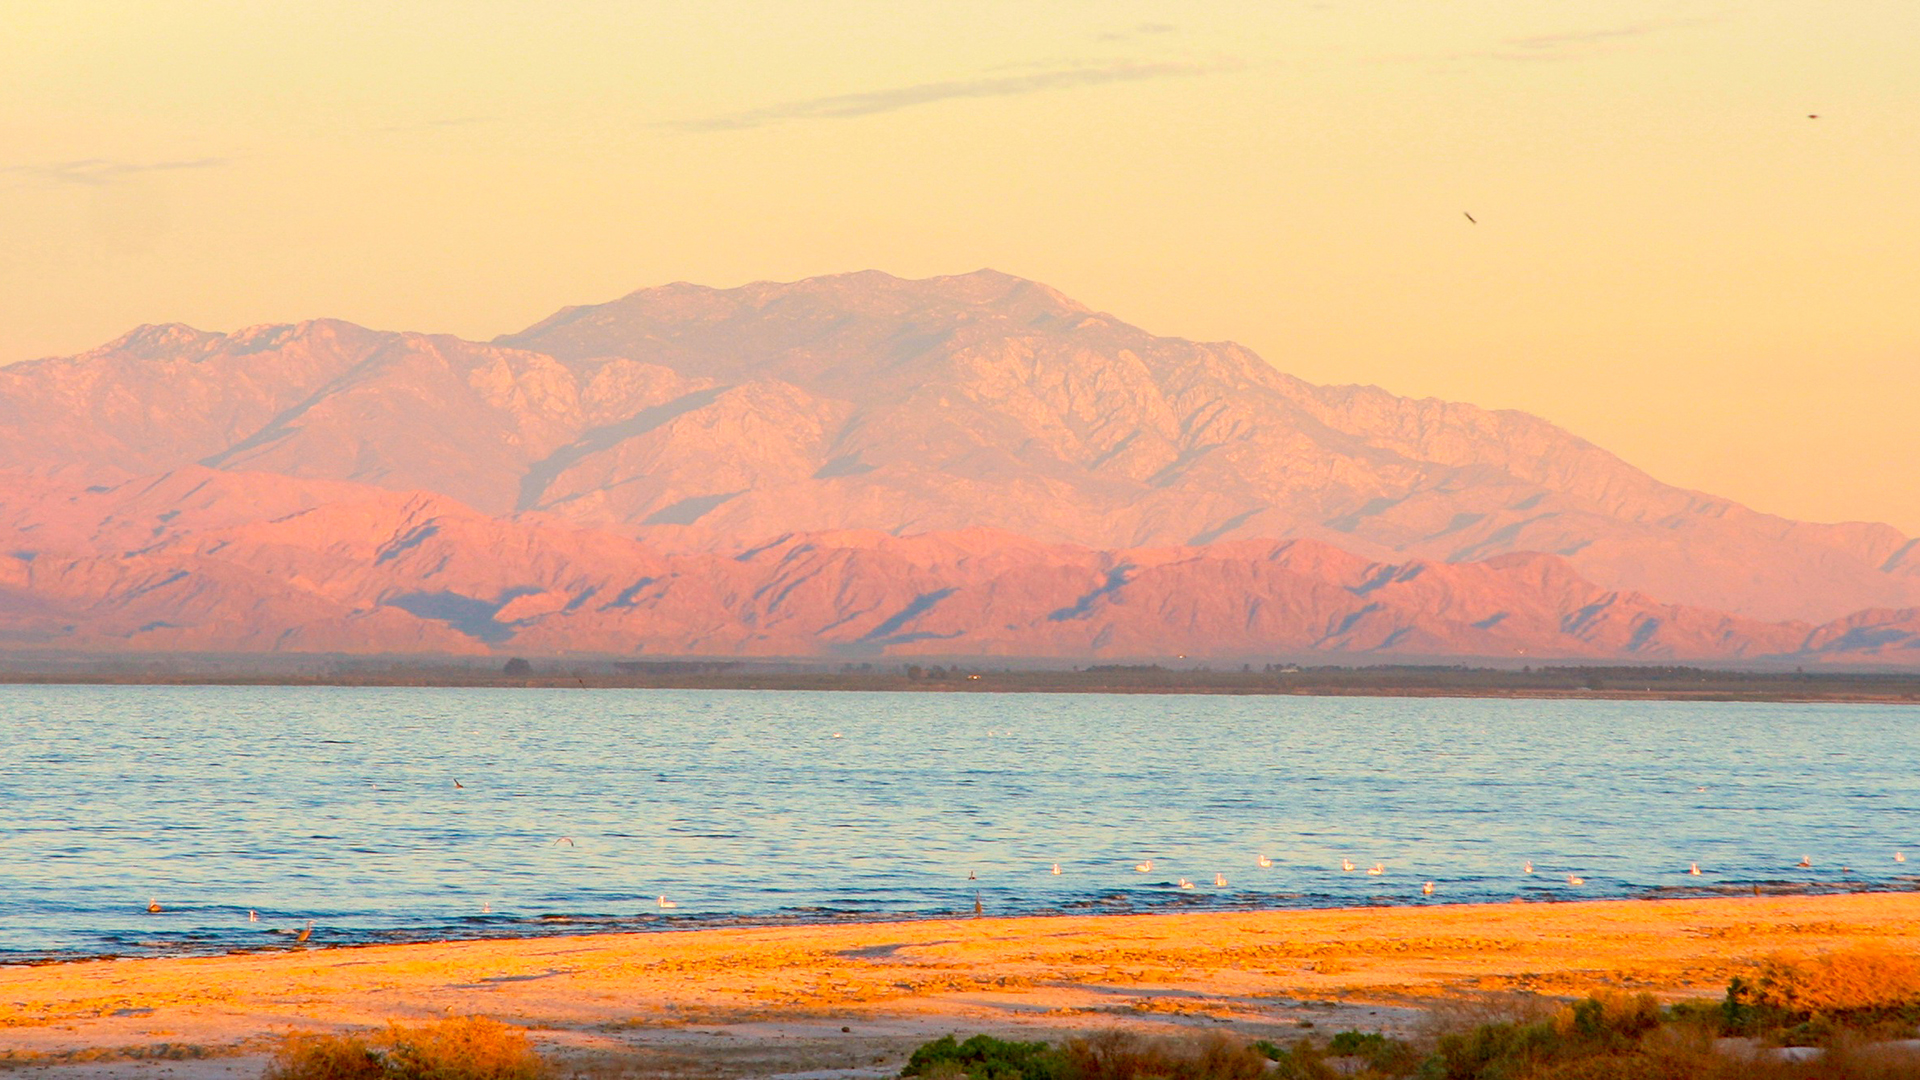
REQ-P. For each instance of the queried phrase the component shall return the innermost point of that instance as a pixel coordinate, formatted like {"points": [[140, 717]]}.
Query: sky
{"points": [[1668, 254]]}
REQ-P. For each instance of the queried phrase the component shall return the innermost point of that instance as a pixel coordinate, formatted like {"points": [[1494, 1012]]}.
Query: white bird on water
{"points": [[1377, 869], [486, 907], [1219, 881], [1529, 866], [1346, 864], [1056, 869], [1693, 869], [153, 905], [1427, 889], [253, 916], [1805, 861], [1263, 862], [1573, 879], [666, 903], [1899, 856], [1185, 884], [1143, 868]]}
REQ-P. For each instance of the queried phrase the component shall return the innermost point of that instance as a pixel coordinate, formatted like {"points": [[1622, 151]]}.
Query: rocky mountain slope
{"points": [[978, 445], [203, 560]]}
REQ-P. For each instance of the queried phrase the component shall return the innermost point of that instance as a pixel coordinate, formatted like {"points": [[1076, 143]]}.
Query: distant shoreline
{"points": [[1601, 683]]}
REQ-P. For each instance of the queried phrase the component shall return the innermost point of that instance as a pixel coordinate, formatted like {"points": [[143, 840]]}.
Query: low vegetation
{"points": [[1831, 1017], [458, 1048]]}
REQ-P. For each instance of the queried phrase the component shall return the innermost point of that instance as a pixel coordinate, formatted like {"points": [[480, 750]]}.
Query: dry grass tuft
{"points": [[458, 1048], [1854, 980]]}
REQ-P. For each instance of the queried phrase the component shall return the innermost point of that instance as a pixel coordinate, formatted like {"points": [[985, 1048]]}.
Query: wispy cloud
{"points": [[99, 172], [868, 103], [1149, 29], [1564, 43]]}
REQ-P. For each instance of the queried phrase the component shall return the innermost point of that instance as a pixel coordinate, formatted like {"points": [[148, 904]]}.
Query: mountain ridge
{"points": [[713, 421]]}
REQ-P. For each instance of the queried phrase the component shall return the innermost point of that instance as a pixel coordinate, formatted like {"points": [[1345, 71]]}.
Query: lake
{"points": [[404, 814]]}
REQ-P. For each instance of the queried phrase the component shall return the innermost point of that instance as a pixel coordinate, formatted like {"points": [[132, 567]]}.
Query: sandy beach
{"points": [[852, 1000]]}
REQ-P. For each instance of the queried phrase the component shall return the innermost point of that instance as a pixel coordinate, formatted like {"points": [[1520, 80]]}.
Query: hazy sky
{"points": [[1671, 258]]}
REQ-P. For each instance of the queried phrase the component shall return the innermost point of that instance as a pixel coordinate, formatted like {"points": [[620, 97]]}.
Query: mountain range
{"points": [[861, 465]]}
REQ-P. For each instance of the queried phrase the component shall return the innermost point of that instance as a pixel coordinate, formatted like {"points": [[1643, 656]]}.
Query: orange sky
{"points": [[1671, 258]]}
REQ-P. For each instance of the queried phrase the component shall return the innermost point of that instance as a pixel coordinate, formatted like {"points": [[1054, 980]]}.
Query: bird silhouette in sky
{"points": [[1470, 217]]}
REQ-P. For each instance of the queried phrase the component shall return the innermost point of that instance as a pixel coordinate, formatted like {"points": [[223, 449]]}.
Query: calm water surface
{"points": [[580, 809]]}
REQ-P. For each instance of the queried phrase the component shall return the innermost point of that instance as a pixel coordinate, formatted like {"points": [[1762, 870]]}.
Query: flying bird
{"points": [[1470, 217], [567, 840]]}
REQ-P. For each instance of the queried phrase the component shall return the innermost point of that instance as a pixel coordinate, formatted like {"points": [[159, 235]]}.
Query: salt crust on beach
{"points": [[772, 1001]]}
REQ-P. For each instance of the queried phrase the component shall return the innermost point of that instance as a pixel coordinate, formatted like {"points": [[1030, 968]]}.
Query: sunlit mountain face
{"points": [[863, 465]]}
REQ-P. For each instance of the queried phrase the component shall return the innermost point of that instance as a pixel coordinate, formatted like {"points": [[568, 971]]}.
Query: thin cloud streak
{"points": [[869, 103], [1575, 39], [1563, 45], [99, 172]]}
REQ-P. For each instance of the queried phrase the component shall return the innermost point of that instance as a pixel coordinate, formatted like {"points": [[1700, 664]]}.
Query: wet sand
{"points": [[774, 1001]]}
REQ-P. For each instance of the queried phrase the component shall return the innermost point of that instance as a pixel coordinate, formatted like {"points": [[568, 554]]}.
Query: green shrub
{"points": [[984, 1057]]}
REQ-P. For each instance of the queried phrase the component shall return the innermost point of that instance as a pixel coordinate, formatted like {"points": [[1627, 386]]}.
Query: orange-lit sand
{"points": [[774, 1000]]}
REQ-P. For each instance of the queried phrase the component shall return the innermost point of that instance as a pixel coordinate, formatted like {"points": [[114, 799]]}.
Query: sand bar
{"points": [[892, 984]]}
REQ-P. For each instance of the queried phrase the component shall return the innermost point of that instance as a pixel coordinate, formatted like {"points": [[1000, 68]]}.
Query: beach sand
{"points": [[852, 1000]]}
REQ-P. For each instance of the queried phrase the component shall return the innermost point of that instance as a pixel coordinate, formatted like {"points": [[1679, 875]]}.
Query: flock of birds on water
{"points": [[1145, 866]]}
